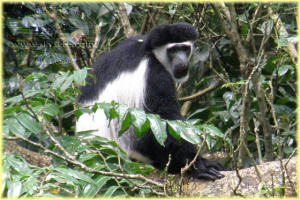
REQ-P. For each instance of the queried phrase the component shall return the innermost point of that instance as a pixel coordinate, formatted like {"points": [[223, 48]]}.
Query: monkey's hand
{"points": [[207, 169]]}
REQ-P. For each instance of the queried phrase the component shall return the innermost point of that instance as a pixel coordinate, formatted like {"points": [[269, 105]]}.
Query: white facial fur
{"points": [[161, 55]]}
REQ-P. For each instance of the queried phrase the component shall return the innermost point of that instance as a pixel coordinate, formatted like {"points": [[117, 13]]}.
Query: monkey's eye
{"points": [[173, 49], [187, 49]]}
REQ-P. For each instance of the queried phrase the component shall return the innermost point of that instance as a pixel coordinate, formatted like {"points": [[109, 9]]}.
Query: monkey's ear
{"points": [[77, 35]]}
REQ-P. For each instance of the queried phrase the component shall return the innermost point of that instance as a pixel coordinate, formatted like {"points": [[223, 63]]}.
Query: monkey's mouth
{"points": [[180, 73]]}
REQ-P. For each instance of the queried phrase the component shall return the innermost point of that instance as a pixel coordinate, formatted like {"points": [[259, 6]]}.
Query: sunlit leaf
{"points": [[158, 128], [76, 174], [111, 190], [91, 190], [28, 122]]}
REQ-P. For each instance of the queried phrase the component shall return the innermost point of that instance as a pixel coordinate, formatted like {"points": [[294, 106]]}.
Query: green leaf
{"points": [[28, 122], [14, 109], [287, 95], [262, 192], [105, 106], [5, 129], [209, 142], [14, 189], [196, 112], [174, 130], [113, 114], [213, 131], [82, 110], [224, 115], [68, 178], [283, 110], [233, 84], [18, 164], [57, 178], [27, 94], [87, 8], [245, 30], [187, 132], [79, 76], [266, 27], [91, 190], [288, 150], [104, 9], [138, 117], [111, 190], [84, 157], [51, 109], [30, 185], [144, 129], [121, 110], [36, 76], [284, 69], [16, 128], [270, 66], [79, 23], [76, 175], [125, 124], [66, 84], [57, 83], [158, 128], [13, 25], [194, 133]]}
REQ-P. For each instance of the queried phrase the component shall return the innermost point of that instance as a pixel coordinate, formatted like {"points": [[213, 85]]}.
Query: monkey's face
{"points": [[175, 58], [178, 56]]}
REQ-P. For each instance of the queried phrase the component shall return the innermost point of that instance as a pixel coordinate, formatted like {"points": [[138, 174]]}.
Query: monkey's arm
{"points": [[181, 155]]}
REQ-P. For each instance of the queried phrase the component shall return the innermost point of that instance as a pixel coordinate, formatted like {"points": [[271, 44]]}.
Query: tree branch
{"points": [[128, 30], [97, 40], [200, 93], [61, 35], [283, 32]]}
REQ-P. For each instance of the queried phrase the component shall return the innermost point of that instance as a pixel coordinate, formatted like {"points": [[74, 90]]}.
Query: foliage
{"points": [[32, 115], [40, 87]]}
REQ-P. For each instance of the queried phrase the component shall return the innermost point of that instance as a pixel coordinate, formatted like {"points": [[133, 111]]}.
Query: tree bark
{"points": [[271, 174], [128, 30], [264, 121]]}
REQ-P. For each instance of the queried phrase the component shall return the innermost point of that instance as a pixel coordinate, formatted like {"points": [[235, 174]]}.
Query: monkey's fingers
{"points": [[204, 175], [216, 173]]}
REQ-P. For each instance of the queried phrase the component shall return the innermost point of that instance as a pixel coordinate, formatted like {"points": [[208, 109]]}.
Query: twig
{"points": [[25, 99], [250, 35], [145, 22], [167, 185], [62, 37], [240, 180], [253, 161], [290, 47], [106, 34], [269, 99], [188, 166], [256, 127], [97, 39], [114, 37], [128, 30], [200, 93], [286, 171]]}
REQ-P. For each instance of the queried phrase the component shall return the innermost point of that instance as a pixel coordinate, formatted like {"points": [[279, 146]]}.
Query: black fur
{"points": [[171, 33], [110, 65], [160, 97]]}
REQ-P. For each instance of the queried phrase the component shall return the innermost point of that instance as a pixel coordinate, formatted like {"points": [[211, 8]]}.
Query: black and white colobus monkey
{"points": [[141, 73]]}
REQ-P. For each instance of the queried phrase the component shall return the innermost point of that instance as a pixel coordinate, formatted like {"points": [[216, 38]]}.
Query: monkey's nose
{"points": [[181, 71]]}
